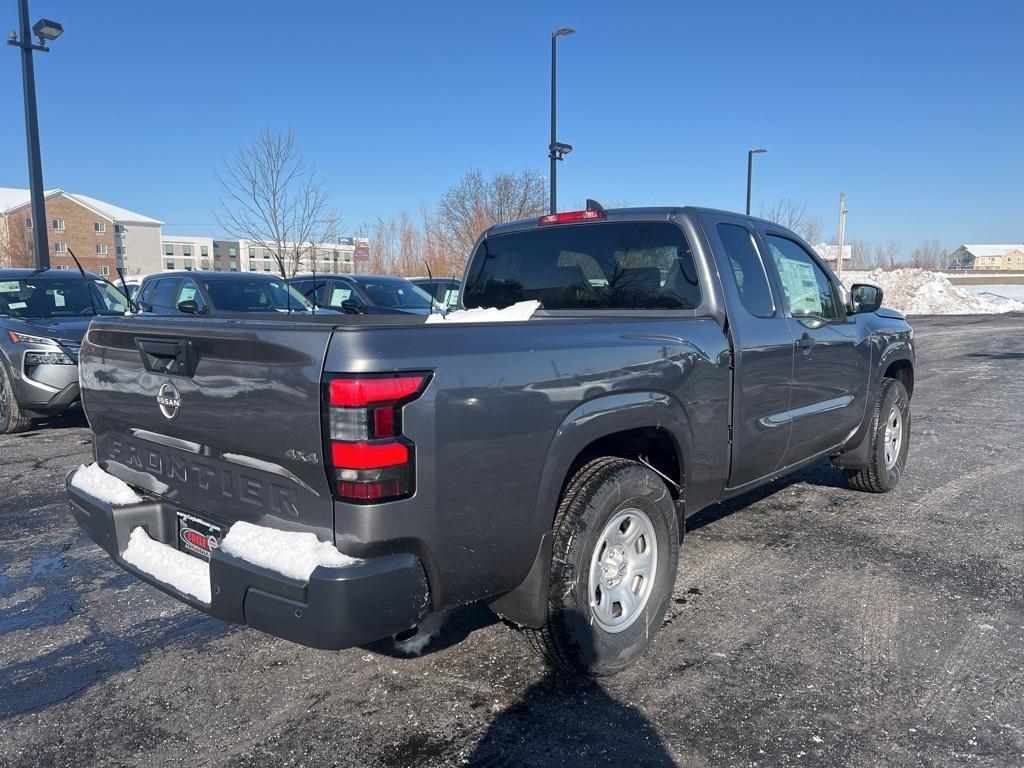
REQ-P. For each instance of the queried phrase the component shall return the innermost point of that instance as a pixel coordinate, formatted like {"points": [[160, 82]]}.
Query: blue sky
{"points": [[915, 110]]}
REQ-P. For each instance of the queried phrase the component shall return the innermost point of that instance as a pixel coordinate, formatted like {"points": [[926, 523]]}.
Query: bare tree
{"points": [[16, 247], [860, 254], [885, 255], [928, 255], [477, 202], [271, 196], [793, 215]]}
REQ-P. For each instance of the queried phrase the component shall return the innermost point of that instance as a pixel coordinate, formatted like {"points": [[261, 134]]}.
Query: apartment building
{"points": [[988, 256], [331, 258], [101, 235]]}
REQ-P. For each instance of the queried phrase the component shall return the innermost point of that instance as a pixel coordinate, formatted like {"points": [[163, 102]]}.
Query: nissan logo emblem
{"points": [[169, 400]]}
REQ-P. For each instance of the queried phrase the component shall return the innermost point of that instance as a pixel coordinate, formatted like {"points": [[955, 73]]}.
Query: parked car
{"points": [[444, 290], [43, 315], [366, 294], [204, 293], [546, 466]]}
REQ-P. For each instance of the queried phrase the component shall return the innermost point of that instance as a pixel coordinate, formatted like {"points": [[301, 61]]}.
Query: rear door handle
{"points": [[805, 342]]}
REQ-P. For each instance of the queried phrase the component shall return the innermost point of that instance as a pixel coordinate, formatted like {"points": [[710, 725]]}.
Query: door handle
{"points": [[176, 357], [805, 342]]}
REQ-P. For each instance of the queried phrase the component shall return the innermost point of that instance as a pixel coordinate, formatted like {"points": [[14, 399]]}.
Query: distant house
{"points": [[103, 236], [828, 252], [988, 256]]}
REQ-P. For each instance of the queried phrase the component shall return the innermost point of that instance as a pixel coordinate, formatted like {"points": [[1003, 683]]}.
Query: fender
{"points": [[590, 421], [855, 452]]}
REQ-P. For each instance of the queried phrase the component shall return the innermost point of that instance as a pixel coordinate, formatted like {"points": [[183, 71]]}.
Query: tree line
{"points": [[271, 196]]}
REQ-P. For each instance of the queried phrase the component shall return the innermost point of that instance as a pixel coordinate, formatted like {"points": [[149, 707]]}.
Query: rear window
{"points": [[607, 265]]}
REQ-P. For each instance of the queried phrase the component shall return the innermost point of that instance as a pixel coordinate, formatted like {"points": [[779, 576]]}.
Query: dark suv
{"points": [[366, 294], [202, 293], [43, 314]]}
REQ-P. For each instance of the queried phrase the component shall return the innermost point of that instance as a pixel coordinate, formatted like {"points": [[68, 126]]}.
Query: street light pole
{"points": [[842, 235], [45, 30], [555, 150], [750, 171]]}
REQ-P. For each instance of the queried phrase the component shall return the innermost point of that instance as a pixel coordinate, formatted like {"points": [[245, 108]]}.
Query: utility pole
{"points": [[842, 235], [45, 30]]}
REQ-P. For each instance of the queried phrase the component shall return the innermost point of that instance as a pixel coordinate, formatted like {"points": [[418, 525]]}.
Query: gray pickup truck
{"points": [[681, 356]]}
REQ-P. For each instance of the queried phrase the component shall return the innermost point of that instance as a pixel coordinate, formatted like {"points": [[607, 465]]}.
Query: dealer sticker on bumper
{"points": [[197, 536]]}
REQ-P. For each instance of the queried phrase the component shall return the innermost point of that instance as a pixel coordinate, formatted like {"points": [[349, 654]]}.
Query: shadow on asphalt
{"points": [[458, 624], [822, 474], [568, 719]]}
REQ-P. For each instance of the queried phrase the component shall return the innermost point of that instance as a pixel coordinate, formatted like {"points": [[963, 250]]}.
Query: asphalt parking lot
{"points": [[811, 626]]}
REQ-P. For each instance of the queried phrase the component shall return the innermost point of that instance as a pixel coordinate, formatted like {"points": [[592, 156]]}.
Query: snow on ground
{"points": [[292, 554], [98, 484], [921, 292], [522, 311], [185, 573], [997, 292]]}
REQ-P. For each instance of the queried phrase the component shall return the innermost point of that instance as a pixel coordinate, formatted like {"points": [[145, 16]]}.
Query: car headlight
{"points": [[47, 358], [24, 338]]}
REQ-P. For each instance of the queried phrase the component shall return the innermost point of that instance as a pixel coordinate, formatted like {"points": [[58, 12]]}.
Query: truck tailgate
{"points": [[221, 417]]}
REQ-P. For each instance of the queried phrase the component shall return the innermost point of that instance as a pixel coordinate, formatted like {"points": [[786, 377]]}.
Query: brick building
{"points": [[102, 236]]}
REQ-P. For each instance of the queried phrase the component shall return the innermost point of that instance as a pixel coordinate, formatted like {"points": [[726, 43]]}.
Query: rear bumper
{"points": [[336, 608]]}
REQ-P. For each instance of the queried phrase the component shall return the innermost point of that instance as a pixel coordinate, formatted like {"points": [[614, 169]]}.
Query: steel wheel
{"points": [[622, 570], [893, 437]]}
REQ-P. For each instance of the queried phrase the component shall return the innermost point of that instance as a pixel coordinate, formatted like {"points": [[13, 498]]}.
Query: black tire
{"points": [[12, 418], [600, 491], [879, 476]]}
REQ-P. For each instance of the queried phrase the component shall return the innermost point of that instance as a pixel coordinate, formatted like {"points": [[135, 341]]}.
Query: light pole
{"points": [[750, 171], [44, 29], [556, 150]]}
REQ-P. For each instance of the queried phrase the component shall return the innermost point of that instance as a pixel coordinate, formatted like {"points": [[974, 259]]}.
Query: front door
{"points": [[833, 352], [762, 352]]}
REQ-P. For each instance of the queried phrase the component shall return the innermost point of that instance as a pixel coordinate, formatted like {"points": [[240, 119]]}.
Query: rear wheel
{"points": [[616, 548], [889, 434], [12, 418]]}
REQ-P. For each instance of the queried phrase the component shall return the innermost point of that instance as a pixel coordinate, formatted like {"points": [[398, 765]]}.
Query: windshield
{"points": [[47, 297], [243, 295], [396, 294]]}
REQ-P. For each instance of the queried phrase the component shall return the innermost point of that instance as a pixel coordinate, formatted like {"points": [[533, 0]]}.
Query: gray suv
{"points": [[44, 314]]}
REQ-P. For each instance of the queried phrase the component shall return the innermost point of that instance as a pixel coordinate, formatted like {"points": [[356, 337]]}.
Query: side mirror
{"points": [[866, 297], [351, 307], [189, 306]]}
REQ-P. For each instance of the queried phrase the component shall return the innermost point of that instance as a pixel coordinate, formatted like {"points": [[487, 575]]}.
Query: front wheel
{"points": [[889, 434], [12, 418], [616, 548]]}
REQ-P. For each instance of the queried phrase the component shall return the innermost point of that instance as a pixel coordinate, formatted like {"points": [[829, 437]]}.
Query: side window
{"points": [[189, 291], [144, 293], [808, 290], [342, 292], [163, 294], [748, 268]]}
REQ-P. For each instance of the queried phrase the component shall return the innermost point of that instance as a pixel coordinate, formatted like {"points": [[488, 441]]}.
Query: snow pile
{"points": [[921, 292], [185, 573], [98, 484], [517, 312], [292, 554]]}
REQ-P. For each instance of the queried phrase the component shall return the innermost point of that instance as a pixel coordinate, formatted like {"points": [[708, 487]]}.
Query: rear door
{"points": [[762, 350], [833, 352], [220, 416]]}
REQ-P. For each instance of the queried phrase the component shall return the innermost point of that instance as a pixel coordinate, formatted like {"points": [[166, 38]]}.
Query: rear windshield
{"points": [[606, 265]]}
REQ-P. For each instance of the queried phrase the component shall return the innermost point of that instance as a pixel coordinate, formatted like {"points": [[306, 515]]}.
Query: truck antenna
{"points": [[429, 273], [88, 285], [593, 205]]}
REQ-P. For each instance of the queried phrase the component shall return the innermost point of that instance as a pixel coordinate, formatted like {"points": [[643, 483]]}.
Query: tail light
{"points": [[368, 457]]}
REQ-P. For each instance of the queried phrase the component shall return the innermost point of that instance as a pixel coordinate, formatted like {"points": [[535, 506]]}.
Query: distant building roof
{"points": [[11, 198], [991, 249], [827, 251]]}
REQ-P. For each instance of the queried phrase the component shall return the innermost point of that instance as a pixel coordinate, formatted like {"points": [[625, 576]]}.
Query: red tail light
{"points": [[369, 458], [569, 216]]}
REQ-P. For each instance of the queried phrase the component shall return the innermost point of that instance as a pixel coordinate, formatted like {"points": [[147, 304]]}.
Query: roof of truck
{"points": [[644, 213]]}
